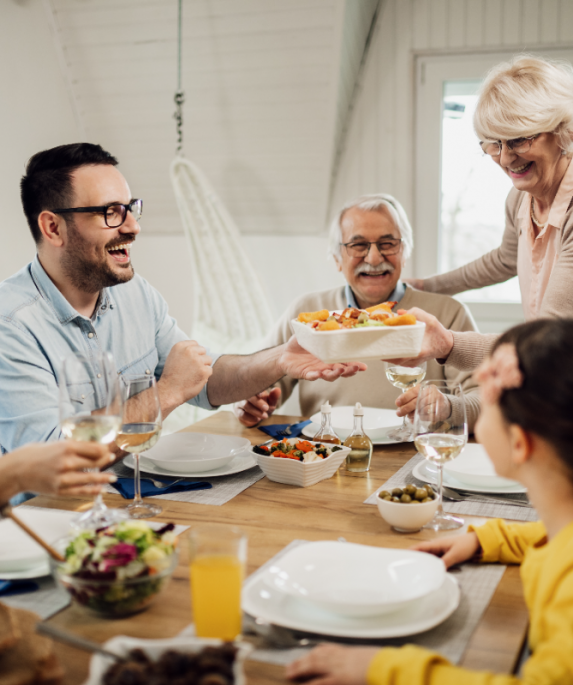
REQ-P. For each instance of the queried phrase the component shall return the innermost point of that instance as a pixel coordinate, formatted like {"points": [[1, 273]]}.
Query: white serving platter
{"points": [[241, 462], [262, 601], [428, 473], [360, 344], [193, 453], [356, 580], [474, 467]]}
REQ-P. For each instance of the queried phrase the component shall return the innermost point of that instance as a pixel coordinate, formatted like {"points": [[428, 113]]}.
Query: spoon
{"points": [[75, 641]]}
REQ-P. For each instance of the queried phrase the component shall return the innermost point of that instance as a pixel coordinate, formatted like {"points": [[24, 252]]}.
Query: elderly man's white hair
{"points": [[373, 203]]}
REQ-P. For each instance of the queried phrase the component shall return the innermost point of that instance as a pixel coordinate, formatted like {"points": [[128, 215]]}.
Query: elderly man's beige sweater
{"points": [[371, 387]]}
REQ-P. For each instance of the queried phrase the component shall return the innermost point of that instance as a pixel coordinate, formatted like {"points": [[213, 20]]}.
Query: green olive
{"points": [[428, 499], [383, 494], [395, 499], [397, 492], [410, 489], [415, 501], [421, 493], [405, 498], [387, 499]]}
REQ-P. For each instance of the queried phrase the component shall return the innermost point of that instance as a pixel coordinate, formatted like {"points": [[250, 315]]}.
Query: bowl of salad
{"points": [[359, 334], [299, 462], [117, 570]]}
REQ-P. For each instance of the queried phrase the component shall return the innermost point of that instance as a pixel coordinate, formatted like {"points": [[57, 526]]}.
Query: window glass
{"points": [[474, 189]]}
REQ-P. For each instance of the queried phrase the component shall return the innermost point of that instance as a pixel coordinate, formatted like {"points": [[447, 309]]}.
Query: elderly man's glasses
{"points": [[517, 145], [114, 214], [360, 248]]}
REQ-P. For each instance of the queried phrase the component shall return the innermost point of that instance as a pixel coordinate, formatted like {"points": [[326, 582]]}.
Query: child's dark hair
{"points": [[47, 183], [544, 402]]}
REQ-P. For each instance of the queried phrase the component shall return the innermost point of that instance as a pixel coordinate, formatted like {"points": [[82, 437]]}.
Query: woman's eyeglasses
{"points": [[114, 215], [517, 145]]}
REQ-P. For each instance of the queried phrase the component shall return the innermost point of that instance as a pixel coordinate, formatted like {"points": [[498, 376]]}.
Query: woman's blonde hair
{"points": [[526, 96]]}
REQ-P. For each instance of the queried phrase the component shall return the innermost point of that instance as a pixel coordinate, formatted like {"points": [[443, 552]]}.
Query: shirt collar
{"points": [[395, 296], [62, 308]]}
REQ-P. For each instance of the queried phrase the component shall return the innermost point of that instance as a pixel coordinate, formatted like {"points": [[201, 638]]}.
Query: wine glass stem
{"points": [[98, 502], [440, 509], [137, 482]]}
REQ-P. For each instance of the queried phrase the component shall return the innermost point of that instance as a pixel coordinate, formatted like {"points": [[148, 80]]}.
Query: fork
{"points": [[464, 496], [161, 484], [285, 433]]}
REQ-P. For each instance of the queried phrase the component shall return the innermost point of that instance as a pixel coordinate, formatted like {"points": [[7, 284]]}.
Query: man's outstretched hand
{"points": [[296, 362]]}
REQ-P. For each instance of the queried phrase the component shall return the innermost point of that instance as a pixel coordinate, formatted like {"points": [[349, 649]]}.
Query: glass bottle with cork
{"points": [[358, 459], [326, 432]]}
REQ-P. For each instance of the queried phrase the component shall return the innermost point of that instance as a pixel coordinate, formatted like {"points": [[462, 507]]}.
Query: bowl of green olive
{"points": [[408, 508]]}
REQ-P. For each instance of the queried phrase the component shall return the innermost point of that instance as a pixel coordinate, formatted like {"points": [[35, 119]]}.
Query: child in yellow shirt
{"points": [[526, 426]]}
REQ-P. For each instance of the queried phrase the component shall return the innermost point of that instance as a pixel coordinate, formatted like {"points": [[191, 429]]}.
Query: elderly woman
{"points": [[524, 120]]}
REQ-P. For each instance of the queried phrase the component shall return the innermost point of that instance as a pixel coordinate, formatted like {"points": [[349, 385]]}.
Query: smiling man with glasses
{"points": [[370, 241], [80, 295]]}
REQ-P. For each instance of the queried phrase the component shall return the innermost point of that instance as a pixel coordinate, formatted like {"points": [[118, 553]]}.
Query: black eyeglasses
{"points": [[360, 248], [519, 145], [114, 214]]}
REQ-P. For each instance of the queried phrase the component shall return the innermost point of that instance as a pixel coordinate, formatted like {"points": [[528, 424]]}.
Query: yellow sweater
{"points": [[547, 575]]}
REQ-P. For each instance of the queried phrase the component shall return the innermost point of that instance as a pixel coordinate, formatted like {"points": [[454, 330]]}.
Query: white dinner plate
{"points": [[265, 602], [241, 462], [428, 473], [376, 422], [312, 429], [355, 580], [193, 453], [474, 467], [20, 556]]}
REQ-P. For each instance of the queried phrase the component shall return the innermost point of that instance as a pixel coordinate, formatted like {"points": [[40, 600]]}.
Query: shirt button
{"points": [[83, 397], [90, 335], [147, 371], [99, 375]]}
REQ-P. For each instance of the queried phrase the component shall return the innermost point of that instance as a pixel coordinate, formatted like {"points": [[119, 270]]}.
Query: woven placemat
{"points": [[477, 582], [470, 506]]}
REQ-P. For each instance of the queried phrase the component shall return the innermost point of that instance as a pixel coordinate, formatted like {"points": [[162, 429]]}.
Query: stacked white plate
{"points": [[196, 454], [473, 471], [377, 423], [20, 556], [348, 590]]}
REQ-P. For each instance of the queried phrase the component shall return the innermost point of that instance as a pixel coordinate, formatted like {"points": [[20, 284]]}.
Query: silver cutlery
{"points": [[162, 484], [275, 636], [285, 432], [75, 641], [466, 496]]}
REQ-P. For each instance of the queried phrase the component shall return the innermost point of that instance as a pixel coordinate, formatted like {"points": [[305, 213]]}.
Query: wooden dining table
{"points": [[273, 515]]}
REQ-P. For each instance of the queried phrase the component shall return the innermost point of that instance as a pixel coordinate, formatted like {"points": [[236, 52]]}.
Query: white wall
{"points": [[35, 113]]}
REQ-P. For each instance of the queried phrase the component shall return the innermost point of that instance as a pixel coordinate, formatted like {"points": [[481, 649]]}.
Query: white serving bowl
{"points": [[356, 580], [293, 472], [474, 467], [195, 452], [360, 344], [407, 518]]}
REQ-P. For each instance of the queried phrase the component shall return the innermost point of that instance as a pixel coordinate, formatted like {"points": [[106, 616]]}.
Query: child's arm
{"points": [[452, 550], [507, 542]]}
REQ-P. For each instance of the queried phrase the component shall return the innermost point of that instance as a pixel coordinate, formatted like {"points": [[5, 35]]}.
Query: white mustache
{"points": [[384, 268]]}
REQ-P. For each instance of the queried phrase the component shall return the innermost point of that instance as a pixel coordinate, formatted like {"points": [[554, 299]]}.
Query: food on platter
{"points": [[409, 494], [299, 450], [351, 317], [118, 569], [210, 666]]}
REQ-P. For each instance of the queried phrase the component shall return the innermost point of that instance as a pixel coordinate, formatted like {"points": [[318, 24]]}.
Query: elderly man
{"points": [[370, 240], [80, 295]]}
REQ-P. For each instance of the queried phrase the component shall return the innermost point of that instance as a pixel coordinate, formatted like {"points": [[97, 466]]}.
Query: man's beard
{"points": [[87, 273]]}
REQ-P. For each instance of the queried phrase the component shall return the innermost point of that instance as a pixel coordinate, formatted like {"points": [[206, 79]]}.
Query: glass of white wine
{"points": [[78, 422], [404, 377], [441, 433], [139, 431]]}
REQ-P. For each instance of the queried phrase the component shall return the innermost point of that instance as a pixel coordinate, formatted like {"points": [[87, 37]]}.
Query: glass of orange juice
{"points": [[217, 557]]}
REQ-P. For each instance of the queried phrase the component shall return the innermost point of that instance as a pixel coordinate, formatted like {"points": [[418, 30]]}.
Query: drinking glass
{"points": [[217, 557], [139, 431], [404, 377], [441, 433], [79, 423]]}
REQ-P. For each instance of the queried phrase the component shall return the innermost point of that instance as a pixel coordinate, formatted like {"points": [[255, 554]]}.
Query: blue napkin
{"points": [[295, 429], [126, 489], [17, 587]]}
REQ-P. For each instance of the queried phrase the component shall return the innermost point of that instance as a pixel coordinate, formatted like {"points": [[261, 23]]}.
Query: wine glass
{"points": [[404, 377], [139, 431], [441, 433], [77, 421]]}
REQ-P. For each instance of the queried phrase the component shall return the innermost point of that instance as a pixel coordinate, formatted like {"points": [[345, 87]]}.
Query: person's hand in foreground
{"points": [[437, 343], [296, 362], [407, 401], [452, 550], [55, 468], [256, 408], [333, 665]]}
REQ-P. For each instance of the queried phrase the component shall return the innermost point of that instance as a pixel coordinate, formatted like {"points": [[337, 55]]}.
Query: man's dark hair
{"points": [[47, 183]]}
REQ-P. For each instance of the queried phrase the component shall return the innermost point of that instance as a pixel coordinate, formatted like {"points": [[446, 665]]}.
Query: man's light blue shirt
{"points": [[39, 327], [396, 295]]}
